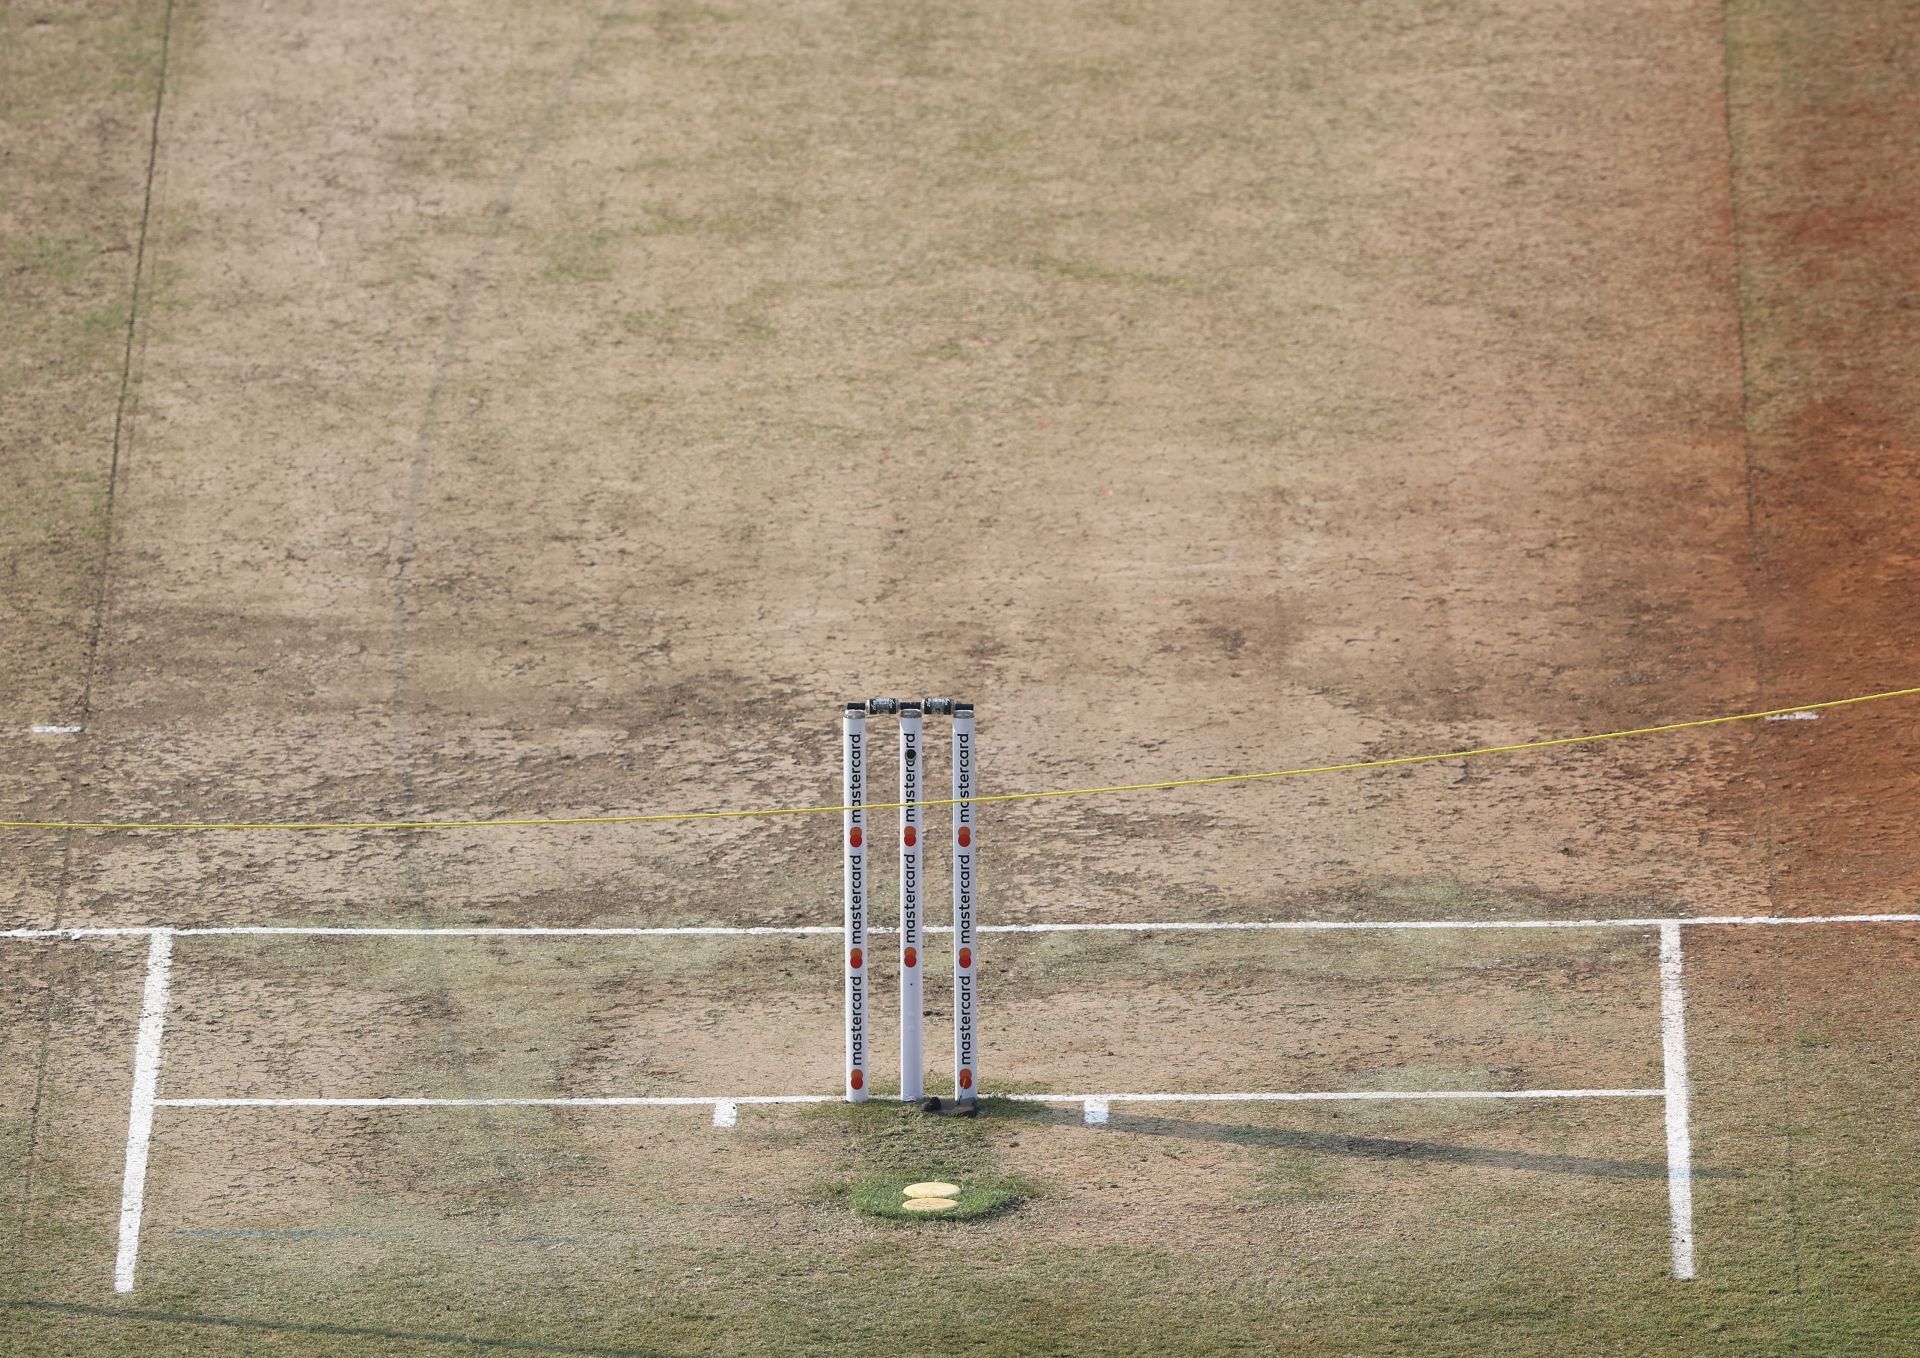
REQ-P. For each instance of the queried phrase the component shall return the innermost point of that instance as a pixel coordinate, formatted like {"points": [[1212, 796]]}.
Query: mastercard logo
{"points": [[856, 1079], [910, 836], [966, 957], [966, 1079], [855, 958], [966, 836], [910, 958], [853, 836]]}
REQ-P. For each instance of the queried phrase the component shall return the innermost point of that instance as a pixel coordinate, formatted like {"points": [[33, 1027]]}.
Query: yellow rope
{"points": [[998, 797]]}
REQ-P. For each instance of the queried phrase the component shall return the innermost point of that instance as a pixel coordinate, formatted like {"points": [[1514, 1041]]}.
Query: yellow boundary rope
{"points": [[747, 812]]}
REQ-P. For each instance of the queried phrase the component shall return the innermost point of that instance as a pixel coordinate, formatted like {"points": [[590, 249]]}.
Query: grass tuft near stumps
{"points": [[978, 1197], [889, 1145]]}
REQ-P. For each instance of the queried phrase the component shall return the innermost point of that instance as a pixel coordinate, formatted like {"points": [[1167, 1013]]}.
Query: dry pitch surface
{"points": [[530, 409]]}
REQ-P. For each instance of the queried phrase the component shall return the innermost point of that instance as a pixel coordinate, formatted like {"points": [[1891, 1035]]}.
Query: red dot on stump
{"points": [[966, 957], [966, 836], [853, 836], [910, 836], [855, 958], [855, 1080], [966, 1079], [910, 958]]}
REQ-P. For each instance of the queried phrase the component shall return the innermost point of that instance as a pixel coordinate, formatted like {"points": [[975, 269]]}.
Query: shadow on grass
{"points": [[1375, 1147], [478, 1341]]}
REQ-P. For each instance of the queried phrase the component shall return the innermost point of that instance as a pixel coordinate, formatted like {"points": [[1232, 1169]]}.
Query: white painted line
{"points": [[146, 1085], [725, 1113], [663, 1101], [127, 931], [718, 1101], [1335, 1096], [1199, 926], [1788, 919], [56, 730], [515, 931], [1093, 1112], [1673, 1046], [1649, 922], [1794, 716], [823, 931]]}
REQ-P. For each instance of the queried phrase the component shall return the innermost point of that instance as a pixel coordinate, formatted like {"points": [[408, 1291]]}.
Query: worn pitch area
{"points": [[558, 408], [1253, 1223]]}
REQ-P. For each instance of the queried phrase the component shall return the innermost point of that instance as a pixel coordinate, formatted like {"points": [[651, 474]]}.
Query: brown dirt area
{"points": [[559, 409], [498, 464], [679, 1017], [76, 111], [1824, 115]]}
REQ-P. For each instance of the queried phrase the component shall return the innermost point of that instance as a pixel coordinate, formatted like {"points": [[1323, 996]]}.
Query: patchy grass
{"points": [[797, 207], [63, 259], [1276, 1229], [890, 1145], [978, 1197], [886, 1137]]}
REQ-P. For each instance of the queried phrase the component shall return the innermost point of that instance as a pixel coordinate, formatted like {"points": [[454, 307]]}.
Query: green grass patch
{"points": [[979, 1196], [64, 259], [890, 1145]]}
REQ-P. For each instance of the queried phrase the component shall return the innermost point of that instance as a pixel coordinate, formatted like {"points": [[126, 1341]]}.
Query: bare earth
{"points": [[559, 409]]}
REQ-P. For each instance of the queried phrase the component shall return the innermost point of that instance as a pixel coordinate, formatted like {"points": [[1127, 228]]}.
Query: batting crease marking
{"points": [[722, 1102], [1673, 1045], [146, 1086], [822, 931]]}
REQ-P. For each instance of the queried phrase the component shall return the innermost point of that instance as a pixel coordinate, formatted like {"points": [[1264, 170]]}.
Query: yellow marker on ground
{"points": [[931, 1190], [929, 1204]]}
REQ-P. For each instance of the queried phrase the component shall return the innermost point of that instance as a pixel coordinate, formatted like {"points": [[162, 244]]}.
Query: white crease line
{"points": [[1649, 922], [123, 931], [518, 931], [1336, 1096], [56, 730], [823, 931], [1794, 716], [722, 1101], [662, 1101], [1673, 1046], [146, 1085]]}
